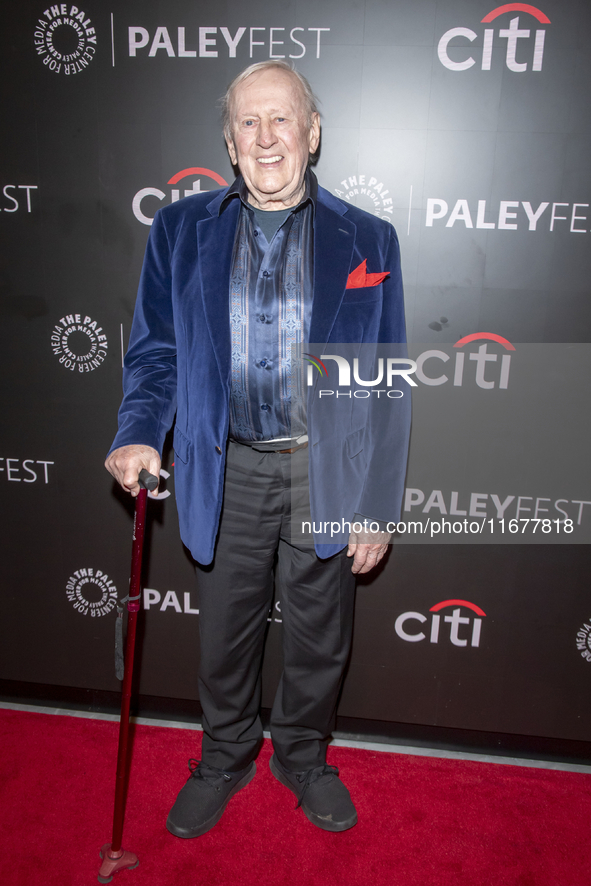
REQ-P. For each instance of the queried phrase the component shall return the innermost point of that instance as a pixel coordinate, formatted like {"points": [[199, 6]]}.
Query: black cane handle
{"points": [[147, 480]]}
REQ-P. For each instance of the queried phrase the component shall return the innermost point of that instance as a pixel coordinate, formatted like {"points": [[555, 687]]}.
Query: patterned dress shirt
{"points": [[271, 289]]}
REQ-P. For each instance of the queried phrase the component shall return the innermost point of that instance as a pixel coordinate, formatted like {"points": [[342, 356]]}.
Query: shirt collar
{"points": [[239, 191]]}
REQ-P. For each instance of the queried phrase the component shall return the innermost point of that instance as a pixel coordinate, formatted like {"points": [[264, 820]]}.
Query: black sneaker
{"points": [[321, 794], [201, 802]]}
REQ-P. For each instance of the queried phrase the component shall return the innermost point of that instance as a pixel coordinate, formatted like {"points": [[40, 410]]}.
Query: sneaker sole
{"points": [[189, 833], [318, 820]]}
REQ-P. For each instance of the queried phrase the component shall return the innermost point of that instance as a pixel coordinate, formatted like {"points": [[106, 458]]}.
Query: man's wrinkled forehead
{"points": [[277, 88]]}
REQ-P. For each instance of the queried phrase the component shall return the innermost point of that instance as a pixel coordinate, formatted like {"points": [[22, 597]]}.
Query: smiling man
{"points": [[232, 280], [271, 131]]}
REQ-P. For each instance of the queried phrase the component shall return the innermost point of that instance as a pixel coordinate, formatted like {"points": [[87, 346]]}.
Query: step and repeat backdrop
{"points": [[466, 126]]}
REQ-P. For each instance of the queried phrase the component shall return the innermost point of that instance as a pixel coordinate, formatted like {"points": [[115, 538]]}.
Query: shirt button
{"points": [[265, 273], [262, 318], [262, 363], [256, 233], [265, 407], [218, 450]]}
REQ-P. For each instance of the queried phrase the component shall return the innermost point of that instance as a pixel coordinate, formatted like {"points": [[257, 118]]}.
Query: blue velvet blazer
{"points": [[179, 359]]}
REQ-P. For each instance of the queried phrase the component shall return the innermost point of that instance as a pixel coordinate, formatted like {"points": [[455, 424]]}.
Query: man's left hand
{"points": [[367, 549]]}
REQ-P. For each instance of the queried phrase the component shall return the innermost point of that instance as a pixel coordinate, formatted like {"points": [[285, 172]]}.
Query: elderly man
{"points": [[231, 280]]}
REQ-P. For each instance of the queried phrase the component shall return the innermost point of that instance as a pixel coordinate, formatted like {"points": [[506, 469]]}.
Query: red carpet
{"points": [[422, 821]]}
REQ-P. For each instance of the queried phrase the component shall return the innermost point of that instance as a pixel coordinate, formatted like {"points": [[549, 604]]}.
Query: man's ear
{"points": [[231, 151], [314, 136]]}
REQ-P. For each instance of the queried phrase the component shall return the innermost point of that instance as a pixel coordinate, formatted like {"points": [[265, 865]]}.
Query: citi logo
{"points": [[514, 35], [481, 358], [195, 173], [463, 629]]}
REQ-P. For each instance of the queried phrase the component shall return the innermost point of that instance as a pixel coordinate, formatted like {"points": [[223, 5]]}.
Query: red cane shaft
{"points": [[132, 611], [139, 526]]}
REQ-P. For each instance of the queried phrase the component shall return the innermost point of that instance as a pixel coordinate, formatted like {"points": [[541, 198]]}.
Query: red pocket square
{"points": [[359, 277]]}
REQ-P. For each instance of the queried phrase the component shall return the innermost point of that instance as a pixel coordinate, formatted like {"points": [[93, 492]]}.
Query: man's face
{"points": [[271, 139]]}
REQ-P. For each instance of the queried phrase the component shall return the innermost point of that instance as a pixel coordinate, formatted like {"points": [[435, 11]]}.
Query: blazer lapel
{"points": [[334, 239], [215, 243]]}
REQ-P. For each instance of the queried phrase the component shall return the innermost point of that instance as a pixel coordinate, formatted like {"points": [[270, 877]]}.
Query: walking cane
{"points": [[114, 857]]}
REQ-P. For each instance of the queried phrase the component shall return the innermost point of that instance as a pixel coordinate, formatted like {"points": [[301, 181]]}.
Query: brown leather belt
{"points": [[293, 449]]}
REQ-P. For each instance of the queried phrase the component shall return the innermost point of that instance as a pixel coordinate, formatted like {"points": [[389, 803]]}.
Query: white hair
{"points": [[310, 100]]}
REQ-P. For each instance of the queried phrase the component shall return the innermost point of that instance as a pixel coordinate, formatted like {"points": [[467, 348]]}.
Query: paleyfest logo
{"points": [[91, 592], [23, 470], [79, 343], [509, 215], [65, 39], [423, 368], [463, 629], [196, 173], [532, 57], [213, 42]]}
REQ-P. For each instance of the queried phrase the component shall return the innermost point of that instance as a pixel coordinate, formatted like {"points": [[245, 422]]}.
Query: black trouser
{"points": [[235, 595]]}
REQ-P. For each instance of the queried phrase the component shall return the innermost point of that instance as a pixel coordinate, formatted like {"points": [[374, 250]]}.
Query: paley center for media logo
{"points": [[79, 343], [389, 370], [91, 592], [524, 46], [197, 174], [65, 39], [369, 193], [583, 641], [463, 629]]}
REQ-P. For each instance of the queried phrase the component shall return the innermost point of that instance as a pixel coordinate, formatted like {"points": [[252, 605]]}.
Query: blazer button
{"points": [[218, 450]]}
